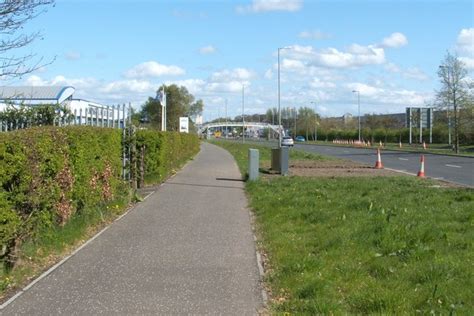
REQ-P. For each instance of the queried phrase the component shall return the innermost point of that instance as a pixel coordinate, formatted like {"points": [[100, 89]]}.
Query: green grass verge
{"points": [[395, 245], [240, 153]]}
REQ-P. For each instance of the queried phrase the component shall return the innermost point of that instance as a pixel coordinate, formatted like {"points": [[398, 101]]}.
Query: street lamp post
{"points": [[243, 117], [358, 105], [447, 104], [226, 131], [315, 138], [279, 108]]}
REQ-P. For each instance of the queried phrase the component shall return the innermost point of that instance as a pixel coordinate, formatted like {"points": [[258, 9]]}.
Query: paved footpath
{"points": [[187, 249]]}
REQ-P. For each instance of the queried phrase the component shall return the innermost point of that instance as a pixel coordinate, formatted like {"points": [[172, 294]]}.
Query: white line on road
{"points": [[346, 151], [403, 158], [453, 166]]}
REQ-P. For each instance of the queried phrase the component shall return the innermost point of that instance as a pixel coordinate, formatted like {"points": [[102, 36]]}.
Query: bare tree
{"points": [[14, 14], [455, 93]]}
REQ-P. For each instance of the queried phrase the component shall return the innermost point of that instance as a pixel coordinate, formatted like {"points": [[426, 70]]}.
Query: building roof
{"points": [[33, 93]]}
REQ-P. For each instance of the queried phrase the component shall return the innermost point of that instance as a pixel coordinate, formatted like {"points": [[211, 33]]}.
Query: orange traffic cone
{"points": [[421, 173], [378, 164]]}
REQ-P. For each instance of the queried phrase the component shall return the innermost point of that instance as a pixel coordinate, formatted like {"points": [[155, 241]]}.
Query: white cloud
{"points": [[318, 83], [60, 80], [392, 68], [153, 69], [378, 96], [465, 47], [231, 86], [316, 35], [72, 55], [268, 74], [465, 41], [355, 57], [139, 86], [415, 73], [292, 64], [258, 6], [468, 62], [206, 50], [235, 74], [395, 40], [194, 86]]}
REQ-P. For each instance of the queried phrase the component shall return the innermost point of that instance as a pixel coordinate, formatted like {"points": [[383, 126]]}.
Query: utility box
{"points": [[280, 158], [253, 164]]}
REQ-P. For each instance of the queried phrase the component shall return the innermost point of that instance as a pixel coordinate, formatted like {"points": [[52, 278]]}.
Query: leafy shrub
{"points": [[55, 177], [165, 152], [49, 174]]}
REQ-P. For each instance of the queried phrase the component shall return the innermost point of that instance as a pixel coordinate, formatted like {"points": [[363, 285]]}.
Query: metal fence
{"points": [[115, 116]]}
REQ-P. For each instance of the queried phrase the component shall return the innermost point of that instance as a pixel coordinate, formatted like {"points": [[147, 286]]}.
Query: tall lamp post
{"points": [[243, 117], [447, 105], [279, 108], [226, 131], [315, 138], [358, 105]]}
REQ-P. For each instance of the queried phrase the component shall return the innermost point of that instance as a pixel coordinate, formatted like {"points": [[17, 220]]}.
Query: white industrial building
{"points": [[85, 112]]}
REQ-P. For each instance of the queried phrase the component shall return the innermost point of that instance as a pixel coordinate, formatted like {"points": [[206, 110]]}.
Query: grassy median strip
{"points": [[395, 245], [240, 153]]}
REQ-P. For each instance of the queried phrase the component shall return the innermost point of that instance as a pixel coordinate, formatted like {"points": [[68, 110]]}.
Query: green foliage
{"points": [[165, 152], [179, 102], [48, 175], [22, 116], [57, 183]]}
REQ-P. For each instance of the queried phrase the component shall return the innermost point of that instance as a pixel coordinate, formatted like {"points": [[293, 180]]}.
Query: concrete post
{"points": [[253, 164]]}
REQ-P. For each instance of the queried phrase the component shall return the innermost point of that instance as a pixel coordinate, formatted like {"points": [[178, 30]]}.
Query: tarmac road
{"points": [[449, 168], [187, 249]]}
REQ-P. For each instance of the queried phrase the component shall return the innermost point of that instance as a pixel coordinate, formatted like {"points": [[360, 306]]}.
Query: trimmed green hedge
{"points": [[165, 152], [50, 176]]}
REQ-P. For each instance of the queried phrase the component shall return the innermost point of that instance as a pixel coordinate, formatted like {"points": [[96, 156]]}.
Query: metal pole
{"points": [[279, 109], [226, 131], [420, 110], [295, 122], [358, 102], [315, 138], [243, 117], [358, 107], [409, 124]]}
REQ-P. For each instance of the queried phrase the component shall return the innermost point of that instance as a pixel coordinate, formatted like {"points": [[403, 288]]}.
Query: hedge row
{"points": [[49, 176], [439, 135], [165, 152]]}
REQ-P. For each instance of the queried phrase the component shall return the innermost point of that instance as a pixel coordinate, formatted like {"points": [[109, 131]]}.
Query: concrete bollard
{"points": [[280, 157], [253, 164]]}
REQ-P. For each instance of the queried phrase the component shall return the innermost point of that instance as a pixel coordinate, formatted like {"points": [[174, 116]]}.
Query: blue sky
{"points": [[120, 51]]}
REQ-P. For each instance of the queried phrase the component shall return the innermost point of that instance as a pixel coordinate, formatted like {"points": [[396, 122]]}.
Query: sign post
{"points": [[184, 124]]}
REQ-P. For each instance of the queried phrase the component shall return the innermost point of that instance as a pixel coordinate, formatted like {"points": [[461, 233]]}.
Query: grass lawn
{"points": [[397, 245]]}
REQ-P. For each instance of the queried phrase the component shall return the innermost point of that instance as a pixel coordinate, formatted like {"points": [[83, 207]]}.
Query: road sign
{"points": [[184, 124]]}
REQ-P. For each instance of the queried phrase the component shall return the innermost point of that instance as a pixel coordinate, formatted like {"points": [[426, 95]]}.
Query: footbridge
{"points": [[255, 125]]}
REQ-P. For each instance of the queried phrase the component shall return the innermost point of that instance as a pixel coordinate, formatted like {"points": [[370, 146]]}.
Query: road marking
{"points": [[403, 158], [402, 171], [346, 151], [453, 166]]}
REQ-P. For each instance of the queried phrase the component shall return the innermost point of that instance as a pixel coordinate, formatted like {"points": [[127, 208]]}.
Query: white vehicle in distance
{"points": [[287, 141]]}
